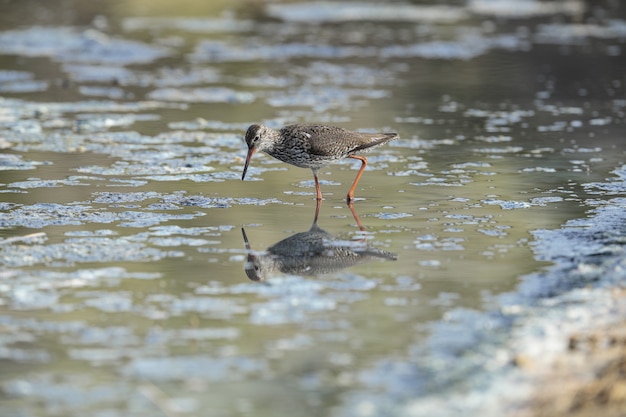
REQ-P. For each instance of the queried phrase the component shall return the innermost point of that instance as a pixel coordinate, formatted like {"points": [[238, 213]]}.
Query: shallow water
{"points": [[123, 288]]}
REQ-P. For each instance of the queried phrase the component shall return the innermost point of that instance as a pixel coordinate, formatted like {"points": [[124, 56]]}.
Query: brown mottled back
{"points": [[336, 142]]}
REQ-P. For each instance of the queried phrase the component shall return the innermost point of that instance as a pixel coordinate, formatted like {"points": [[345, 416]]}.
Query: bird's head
{"points": [[257, 138]]}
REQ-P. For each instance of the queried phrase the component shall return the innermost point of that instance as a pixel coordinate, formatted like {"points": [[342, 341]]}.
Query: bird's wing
{"points": [[326, 141], [317, 139]]}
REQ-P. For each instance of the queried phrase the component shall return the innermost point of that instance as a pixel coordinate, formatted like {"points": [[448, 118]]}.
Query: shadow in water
{"points": [[311, 253]]}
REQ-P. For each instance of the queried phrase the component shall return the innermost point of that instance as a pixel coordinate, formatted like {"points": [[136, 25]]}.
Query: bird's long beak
{"points": [[251, 152]]}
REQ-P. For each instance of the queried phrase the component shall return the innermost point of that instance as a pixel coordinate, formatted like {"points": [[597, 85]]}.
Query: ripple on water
{"points": [[391, 216], [39, 183], [67, 44], [221, 51], [520, 9], [82, 250], [108, 92], [321, 12], [43, 289], [202, 95], [10, 162], [201, 123], [200, 25], [66, 395], [40, 215], [101, 73], [507, 205], [8, 76], [577, 33], [26, 86], [294, 299], [322, 98], [86, 122], [183, 368]]}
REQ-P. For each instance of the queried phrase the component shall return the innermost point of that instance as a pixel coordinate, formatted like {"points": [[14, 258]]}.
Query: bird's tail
{"points": [[386, 137]]}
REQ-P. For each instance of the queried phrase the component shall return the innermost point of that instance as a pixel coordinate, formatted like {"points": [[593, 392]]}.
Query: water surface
{"points": [[122, 262]]}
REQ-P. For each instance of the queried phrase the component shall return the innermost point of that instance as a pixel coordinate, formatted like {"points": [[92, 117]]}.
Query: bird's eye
{"points": [[256, 138]]}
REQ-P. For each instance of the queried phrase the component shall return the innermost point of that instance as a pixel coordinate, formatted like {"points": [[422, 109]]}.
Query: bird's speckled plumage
{"points": [[312, 146]]}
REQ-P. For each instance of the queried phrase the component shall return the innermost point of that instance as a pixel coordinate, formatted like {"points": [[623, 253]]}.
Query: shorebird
{"points": [[313, 146]]}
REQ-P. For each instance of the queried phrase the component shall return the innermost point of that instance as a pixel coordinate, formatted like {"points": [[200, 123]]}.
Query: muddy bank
{"points": [[579, 367], [586, 380]]}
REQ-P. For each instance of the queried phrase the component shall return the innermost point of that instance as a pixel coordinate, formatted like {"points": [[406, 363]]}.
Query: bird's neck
{"points": [[272, 140]]}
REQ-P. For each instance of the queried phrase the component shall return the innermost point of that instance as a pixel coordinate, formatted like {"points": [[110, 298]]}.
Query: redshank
{"points": [[313, 146]]}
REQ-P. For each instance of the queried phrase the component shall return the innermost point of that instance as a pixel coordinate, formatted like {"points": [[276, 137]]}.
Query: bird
{"points": [[314, 147]]}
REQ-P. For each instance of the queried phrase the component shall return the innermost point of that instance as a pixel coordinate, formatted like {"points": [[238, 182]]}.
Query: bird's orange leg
{"points": [[363, 160]]}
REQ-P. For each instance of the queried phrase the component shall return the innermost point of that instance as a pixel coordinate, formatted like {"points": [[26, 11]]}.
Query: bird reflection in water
{"points": [[311, 253]]}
